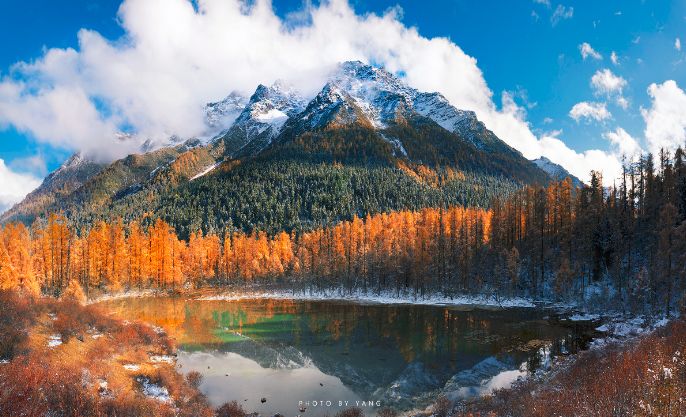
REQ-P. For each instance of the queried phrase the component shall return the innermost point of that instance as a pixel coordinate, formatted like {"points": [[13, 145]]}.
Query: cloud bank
{"points": [[666, 118], [176, 56], [14, 186]]}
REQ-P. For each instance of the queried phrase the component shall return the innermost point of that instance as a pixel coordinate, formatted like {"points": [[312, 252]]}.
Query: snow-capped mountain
{"points": [[361, 93], [556, 171], [362, 115], [222, 114], [262, 119]]}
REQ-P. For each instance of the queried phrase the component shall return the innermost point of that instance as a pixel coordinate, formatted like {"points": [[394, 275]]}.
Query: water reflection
{"points": [[400, 355]]}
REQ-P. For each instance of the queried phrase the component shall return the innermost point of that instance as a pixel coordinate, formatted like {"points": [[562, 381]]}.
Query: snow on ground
{"points": [[273, 117], [584, 317], [383, 298], [161, 359], [205, 171], [620, 328], [158, 329], [123, 294], [54, 340], [153, 390], [4, 361]]}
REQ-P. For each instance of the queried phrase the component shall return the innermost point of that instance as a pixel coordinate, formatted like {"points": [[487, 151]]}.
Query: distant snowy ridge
{"points": [[556, 171]]}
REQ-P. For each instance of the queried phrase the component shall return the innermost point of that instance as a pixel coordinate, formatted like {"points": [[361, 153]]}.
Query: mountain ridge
{"points": [[363, 116]]}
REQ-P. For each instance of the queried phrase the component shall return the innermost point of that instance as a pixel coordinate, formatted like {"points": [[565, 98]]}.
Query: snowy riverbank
{"points": [[370, 298]]}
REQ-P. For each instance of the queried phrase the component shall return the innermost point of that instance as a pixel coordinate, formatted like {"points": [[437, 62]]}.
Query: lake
{"points": [[320, 354]]}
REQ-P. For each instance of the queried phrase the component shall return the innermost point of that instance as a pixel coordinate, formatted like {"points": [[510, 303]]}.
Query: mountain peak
{"points": [[223, 113], [263, 117], [556, 171]]}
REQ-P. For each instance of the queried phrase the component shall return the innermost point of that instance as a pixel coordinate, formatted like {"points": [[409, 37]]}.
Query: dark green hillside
{"points": [[293, 195]]}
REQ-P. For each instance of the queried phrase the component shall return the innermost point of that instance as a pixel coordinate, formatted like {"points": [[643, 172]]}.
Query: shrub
{"points": [[442, 406], [351, 412], [16, 315], [232, 409], [194, 379], [74, 292], [387, 412]]}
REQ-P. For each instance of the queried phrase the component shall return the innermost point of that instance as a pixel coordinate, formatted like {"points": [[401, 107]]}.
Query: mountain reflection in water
{"points": [[317, 351]]}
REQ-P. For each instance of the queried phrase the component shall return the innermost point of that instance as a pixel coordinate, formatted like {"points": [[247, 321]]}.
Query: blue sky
{"points": [[530, 49]]}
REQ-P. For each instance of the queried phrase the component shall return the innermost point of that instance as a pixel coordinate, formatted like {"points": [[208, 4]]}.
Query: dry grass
{"points": [[643, 378], [85, 374]]}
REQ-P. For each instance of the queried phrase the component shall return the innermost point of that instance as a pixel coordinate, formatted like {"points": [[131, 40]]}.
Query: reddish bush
{"points": [[232, 409], [387, 412], [35, 384], [194, 379], [351, 412], [644, 377], [442, 406], [16, 315]]}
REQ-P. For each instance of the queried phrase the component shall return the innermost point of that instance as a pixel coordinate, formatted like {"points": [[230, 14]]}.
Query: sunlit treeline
{"points": [[408, 250]]}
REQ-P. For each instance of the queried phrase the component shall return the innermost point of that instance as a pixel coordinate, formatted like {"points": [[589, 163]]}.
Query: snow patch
{"points": [[54, 340], [154, 391], [274, 117], [161, 359], [584, 317], [124, 294], [131, 367], [205, 171], [620, 328], [382, 298]]}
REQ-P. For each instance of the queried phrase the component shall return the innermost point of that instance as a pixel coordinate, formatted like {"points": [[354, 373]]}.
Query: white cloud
{"points": [[580, 164], [614, 58], [589, 111], [561, 13], [623, 143], [176, 55], [666, 118], [587, 50], [606, 82], [543, 2], [34, 164], [677, 44], [14, 186]]}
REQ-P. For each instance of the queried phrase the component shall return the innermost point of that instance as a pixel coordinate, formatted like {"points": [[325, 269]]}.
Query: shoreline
{"points": [[357, 297]]}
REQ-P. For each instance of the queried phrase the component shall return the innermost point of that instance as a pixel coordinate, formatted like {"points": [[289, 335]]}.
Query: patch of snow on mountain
{"points": [[269, 108], [556, 171], [222, 114], [273, 117], [205, 171]]}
